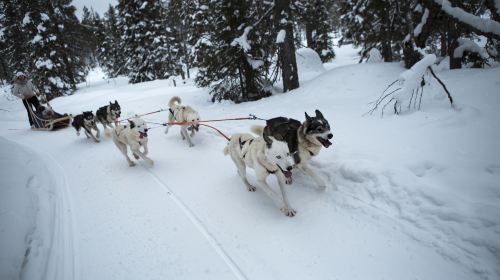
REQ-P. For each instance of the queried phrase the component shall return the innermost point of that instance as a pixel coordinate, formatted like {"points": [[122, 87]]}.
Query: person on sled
{"points": [[24, 89]]}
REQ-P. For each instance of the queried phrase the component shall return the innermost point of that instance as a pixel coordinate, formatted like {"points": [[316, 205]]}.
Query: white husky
{"points": [[135, 136], [266, 156], [183, 114]]}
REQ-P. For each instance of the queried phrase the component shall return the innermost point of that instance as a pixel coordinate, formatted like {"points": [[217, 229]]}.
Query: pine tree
{"points": [[314, 14], [56, 63], [110, 56], [144, 41], [228, 54]]}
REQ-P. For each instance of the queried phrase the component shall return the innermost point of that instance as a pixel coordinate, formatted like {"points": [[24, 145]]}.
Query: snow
{"points": [[419, 27], [35, 218], [374, 56], [44, 17], [44, 63], [414, 196], [255, 63], [309, 64], [242, 41], [483, 24], [411, 78], [469, 46], [280, 38], [26, 19], [36, 39]]}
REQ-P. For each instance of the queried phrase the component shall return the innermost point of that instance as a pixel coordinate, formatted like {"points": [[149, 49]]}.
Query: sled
{"points": [[48, 119]]}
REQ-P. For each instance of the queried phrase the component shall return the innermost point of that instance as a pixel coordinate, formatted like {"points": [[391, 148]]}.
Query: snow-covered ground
{"points": [[414, 196]]}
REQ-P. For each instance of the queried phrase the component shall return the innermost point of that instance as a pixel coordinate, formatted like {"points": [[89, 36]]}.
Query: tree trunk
{"points": [[287, 48], [309, 36], [387, 51], [455, 63], [444, 44]]}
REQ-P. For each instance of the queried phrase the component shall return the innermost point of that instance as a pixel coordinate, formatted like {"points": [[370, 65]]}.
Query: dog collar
{"points": [[271, 172]]}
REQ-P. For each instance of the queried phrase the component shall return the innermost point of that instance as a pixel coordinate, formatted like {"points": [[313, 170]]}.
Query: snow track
{"points": [[238, 273]]}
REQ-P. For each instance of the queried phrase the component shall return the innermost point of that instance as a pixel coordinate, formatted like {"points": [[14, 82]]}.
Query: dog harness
{"points": [[242, 143]]}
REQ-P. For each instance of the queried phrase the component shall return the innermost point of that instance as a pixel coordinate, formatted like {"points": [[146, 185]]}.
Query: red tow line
{"points": [[220, 132]]}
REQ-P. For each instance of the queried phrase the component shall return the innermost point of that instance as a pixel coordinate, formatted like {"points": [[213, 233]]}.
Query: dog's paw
{"points": [[191, 145], [166, 130], [136, 156], [289, 212], [78, 134], [97, 140], [251, 188], [131, 164], [151, 162]]}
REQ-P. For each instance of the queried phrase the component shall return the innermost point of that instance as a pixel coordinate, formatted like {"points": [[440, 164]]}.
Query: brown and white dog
{"points": [[134, 135], [183, 114]]}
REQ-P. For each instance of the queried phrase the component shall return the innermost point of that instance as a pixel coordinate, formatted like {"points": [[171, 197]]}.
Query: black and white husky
{"points": [[86, 120], [266, 156], [109, 114], [305, 140]]}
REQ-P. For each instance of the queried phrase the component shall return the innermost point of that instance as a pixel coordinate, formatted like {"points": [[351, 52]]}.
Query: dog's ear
{"points": [[307, 116], [132, 124], [269, 141], [116, 102], [318, 114], [110, 103]]}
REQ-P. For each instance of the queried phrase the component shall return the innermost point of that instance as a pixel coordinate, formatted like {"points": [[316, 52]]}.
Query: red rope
{"points": [[220, 132]]}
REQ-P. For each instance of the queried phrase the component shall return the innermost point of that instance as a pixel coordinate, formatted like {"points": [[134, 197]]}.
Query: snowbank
{"points": [[309, 64], [34, 241]]}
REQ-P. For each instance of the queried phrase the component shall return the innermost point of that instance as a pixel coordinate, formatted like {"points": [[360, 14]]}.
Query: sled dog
{"points": [[109, 114], [179, 113], [266, 156], [133, 135], [304, 139], [86, 120]]}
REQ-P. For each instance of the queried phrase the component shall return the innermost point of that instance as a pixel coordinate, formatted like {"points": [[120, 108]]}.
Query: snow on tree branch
{"points": [[280, 38], [469, 46], [242, 41], [419, 27], [483, 24], [408, 89]]}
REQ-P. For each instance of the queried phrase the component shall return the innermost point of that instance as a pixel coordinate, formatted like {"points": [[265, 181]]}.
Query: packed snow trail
{"points": [[199, 225]]}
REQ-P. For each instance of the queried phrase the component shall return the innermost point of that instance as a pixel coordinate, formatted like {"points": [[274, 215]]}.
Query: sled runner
{"points": [[46, 119]]}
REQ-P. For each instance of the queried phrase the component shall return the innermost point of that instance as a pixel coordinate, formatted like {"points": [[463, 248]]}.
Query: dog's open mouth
{"points": [[194, 127], [325, 142], [287, 173], [142, 134]]}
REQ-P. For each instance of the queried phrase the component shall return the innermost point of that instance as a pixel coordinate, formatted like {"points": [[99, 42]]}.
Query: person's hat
{"points": [[20, 74]]}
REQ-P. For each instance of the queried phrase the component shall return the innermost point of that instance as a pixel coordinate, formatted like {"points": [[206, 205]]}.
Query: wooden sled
{"points": [[51, 121]]}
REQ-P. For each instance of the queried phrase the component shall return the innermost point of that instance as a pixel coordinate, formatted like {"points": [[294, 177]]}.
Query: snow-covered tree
{"points": [[144, 40], [229, 53], [314, 14], [109, 54]]}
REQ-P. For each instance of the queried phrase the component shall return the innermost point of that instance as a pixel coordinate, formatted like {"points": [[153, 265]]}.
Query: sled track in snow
{"points": [[200, 226]]}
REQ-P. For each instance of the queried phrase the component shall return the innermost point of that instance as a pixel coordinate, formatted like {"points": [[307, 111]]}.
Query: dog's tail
{"points": [[257, 129], [173, 100]]}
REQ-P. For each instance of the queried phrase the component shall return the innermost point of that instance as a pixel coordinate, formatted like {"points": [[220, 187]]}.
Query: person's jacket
{"points": [[24, 91]]}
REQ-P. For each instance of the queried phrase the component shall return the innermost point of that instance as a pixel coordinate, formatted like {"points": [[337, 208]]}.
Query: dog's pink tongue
{"points": [[287, 174], [325, 142]]}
